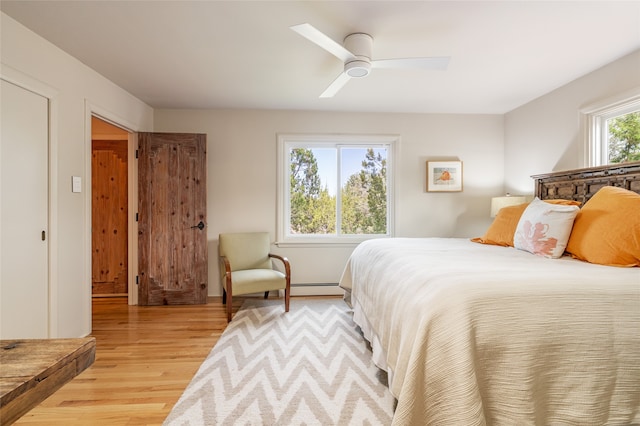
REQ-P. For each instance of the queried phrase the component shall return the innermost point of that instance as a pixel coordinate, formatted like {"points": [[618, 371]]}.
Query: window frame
{"points": [[287, 141], [595, 116]]}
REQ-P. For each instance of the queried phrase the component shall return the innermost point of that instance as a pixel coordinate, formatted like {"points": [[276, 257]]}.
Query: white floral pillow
{"points": [[544, 228]]}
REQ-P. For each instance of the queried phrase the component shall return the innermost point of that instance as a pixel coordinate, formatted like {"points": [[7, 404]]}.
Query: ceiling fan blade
{"points": [[312, 34], [434, 63], [337, 84]]}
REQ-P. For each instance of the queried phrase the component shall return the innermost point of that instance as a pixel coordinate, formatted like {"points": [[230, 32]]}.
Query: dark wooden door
{"points": [[172, 219]]}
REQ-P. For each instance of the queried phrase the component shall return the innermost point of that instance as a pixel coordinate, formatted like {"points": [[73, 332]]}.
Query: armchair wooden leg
{"points": [[229, 307], [266, 294], [224, 296], [286, 300]]}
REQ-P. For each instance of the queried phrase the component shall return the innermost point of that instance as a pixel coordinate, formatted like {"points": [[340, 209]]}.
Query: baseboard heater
{"points": [[314, 284], [316, 289]]}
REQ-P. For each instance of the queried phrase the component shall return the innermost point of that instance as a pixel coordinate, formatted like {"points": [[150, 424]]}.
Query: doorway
{"points": [[109, 210]]}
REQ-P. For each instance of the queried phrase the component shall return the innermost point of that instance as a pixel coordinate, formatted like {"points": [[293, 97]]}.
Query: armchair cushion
{"points": [[257, 280], [248, 250]]}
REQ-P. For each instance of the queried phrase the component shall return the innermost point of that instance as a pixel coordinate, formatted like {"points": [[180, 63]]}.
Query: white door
{"points": [[24, 203]]}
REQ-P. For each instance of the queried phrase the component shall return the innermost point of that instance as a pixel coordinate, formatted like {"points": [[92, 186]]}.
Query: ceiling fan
{"points": [[356, 55]]}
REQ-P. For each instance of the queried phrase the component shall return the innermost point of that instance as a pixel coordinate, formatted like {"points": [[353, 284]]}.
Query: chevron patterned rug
{"points": [[310, 366]]}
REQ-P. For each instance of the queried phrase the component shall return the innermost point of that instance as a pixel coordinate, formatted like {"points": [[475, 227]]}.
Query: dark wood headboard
{"points": [[581, 184]]}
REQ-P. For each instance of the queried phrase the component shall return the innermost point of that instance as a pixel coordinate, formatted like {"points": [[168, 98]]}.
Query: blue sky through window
{"points": [[351, 163]]}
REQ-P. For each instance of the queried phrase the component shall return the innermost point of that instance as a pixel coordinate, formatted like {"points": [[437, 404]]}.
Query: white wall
{"points": [[27, 58], [241, 182], [547, 134]]}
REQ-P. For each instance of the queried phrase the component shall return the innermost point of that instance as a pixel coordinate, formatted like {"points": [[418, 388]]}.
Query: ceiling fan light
{"points": [[357, 68]]}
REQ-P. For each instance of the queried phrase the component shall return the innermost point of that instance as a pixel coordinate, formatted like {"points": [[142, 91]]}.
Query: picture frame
{"points": [[444, 176]]}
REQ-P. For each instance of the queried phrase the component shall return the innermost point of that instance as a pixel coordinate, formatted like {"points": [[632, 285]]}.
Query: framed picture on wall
{"points": [[444, 176]]}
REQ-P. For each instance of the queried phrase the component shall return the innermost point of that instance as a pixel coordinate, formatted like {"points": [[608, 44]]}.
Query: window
{"points": [[613, 131], [334, 189], [622, 133]]}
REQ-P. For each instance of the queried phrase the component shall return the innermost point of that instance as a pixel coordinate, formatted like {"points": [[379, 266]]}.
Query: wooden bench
{"points": [[32, 370]]}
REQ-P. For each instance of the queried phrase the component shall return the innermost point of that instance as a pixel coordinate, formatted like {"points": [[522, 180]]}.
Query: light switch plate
{"points": [[76, 184]]}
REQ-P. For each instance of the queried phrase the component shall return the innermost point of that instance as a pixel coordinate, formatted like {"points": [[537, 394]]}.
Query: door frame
{"points": [[132, 187], [26, 82]]}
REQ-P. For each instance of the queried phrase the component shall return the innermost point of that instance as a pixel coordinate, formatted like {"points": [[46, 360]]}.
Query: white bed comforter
{"points": [[474, 334]]}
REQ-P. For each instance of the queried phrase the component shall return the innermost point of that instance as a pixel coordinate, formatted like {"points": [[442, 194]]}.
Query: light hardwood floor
{"points": [[145, 358]]}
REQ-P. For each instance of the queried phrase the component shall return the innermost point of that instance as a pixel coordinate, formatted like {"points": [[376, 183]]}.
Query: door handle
{"points": [[200, 226]]}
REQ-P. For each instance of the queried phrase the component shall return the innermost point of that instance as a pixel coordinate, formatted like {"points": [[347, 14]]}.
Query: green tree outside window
{"points": [[363, 197], [624, 138]]}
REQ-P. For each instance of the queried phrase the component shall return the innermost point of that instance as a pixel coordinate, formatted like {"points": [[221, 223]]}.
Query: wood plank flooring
{"points": [[145, 358]]}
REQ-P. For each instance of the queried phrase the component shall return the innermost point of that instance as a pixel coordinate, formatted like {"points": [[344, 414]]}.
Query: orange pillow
{"points": [[607, 229], [503, 227]]}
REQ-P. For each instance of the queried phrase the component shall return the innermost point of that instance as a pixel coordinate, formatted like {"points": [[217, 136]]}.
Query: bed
{"points": [[475, 333]]}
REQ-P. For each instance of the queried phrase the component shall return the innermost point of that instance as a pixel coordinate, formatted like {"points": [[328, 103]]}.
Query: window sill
{"points": [[326, 243]]}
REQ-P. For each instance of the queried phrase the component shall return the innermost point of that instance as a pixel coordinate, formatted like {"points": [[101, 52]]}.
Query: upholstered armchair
{"points": [[246, 267]]}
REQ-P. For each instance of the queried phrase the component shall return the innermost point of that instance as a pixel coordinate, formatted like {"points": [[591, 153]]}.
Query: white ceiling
{"points": [[242, 54]]}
